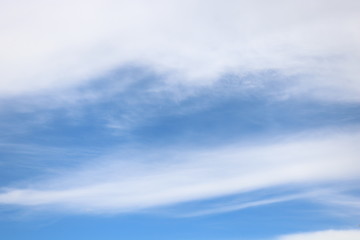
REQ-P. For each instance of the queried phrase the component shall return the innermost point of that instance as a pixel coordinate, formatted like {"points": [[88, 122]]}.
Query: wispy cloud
{"points": [[321, 195], [149, 179], [224, 208]]}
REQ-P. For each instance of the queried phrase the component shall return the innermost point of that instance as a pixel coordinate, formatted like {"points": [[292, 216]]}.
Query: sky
{"points": [[196, 120]]}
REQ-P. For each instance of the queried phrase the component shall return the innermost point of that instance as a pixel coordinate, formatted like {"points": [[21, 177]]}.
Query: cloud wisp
{"points": [[166, 178]]}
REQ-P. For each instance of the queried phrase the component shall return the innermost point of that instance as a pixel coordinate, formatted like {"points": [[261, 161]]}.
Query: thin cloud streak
{"points": [[240, 206], [128, 185], [337, 202]]}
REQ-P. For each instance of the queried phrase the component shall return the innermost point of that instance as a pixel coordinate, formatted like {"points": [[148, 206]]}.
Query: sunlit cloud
{"points": [[324, 235], [50, 46]]}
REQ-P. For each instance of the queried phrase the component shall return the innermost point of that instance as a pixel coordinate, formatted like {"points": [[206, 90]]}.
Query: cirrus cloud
{"points": [[128, 184]]}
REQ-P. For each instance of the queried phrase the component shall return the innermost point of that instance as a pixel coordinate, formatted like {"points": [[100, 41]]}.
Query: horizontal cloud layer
{"points": [[147, 180]]}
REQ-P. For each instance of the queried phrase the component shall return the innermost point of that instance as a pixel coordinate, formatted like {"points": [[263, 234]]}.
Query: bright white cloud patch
{"points": [[180, 176], [49, 44], [324, 235]]}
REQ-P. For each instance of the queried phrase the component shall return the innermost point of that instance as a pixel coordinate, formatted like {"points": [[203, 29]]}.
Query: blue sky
{"points": [[180, 120]]}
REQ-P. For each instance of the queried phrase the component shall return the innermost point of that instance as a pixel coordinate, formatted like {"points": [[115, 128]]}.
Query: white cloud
{"points": [[324, 235], [47, 44], [170, 177], [238, 206]]}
